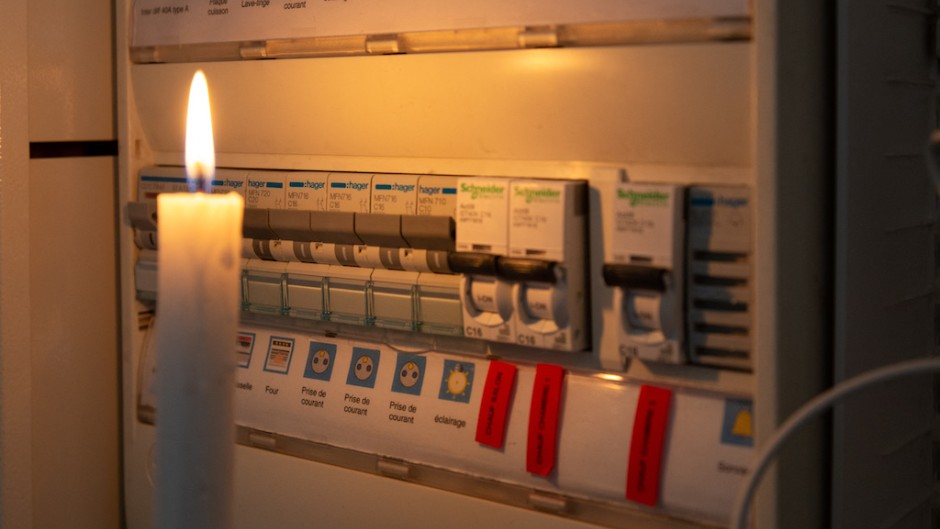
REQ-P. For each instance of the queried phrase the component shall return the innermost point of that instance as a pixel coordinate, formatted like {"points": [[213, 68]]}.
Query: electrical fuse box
{"points": [[350, 294], [547, 223], [720, 307], [640, 289], [438, 304], [307, 290], [430, 233], [145, 275], [393, 299], [482, 235], [263, 286]]}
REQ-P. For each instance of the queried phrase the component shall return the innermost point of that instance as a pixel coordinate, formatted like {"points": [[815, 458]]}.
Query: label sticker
{"points": [[320, 360], [457, 381], [483, 215], [647, 220], [737, 426], [265, 189], [394, 194], [437, 195], [409, 373], [363, 367], [350, 192], [280, 350], [646, 446], [537, 218], [151, 185], [543, 419], [494, 408], [306, 191], [244, 345]]}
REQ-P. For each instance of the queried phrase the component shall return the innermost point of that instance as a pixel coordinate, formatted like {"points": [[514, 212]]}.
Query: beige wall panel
{"points": [[71, 81], [74, 347], [671, 104]]}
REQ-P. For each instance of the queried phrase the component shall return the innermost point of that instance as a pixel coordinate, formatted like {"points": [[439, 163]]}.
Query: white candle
{"points": [[199, 238]]}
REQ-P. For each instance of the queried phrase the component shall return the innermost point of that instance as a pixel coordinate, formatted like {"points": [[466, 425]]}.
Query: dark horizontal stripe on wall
{"points": [[72, 149]]}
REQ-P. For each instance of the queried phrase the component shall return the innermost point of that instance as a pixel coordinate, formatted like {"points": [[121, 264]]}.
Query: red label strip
{"points": [[497, 393], [543, 419], [646, 446]]}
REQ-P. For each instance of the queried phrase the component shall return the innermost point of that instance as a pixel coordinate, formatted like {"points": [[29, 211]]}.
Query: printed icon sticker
{"points": [[280, 350], [409, 374], [737, 425], [320, 361], [364, 366], [244, 345], [544, 412], [650, 432], [457, 381], [494, 406]]}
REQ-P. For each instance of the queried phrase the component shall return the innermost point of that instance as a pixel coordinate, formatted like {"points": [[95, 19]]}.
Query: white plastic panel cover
{"points": [[423, 408], [665, 108], [157, 22]]}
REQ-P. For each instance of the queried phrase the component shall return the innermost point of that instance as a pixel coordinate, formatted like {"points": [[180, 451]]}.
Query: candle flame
{"points": [[200, 148]]}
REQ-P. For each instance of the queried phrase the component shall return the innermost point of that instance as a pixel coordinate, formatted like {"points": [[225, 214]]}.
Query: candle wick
{"points": [[199, 181]]}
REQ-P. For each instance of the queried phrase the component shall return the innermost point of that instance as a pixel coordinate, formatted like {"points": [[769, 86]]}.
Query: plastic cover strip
{"points": [[582, 509], [505, 38], [579, 508], [285, 389]]}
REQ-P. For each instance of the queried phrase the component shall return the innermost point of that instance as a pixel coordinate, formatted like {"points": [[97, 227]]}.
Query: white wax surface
{"points": [[197, 320]]}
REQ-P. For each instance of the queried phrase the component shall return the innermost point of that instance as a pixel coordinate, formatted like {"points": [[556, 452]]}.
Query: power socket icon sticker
{"points": [[409, 374], [363, 367]]}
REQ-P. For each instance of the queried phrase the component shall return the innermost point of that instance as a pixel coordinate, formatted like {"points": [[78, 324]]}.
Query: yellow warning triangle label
{"points": [[742, 424]]}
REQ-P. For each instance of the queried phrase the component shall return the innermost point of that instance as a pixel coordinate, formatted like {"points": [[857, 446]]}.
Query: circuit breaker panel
{"points": [[501, 260], [378, 330], [527, 281]]}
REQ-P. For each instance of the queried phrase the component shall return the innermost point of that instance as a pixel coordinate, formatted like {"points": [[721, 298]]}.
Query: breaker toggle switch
{"points": [[540, 294], [471, 263], [544, 307], [520, 269], [636, 277], [483, 295], [644, 287], [644, 311], [538, 302], [487, 302]]}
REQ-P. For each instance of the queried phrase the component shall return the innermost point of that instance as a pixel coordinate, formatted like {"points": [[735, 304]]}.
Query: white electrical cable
{"points": [[933, 158], [812, 408]]}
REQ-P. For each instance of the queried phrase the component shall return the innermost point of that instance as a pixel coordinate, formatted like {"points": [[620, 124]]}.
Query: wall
{"points": [[885, 465], [59, 384]]}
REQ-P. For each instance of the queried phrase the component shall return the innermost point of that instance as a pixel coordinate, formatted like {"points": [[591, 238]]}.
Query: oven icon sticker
{"points": [[280, 350], [362, 369], [457, 381], [409, 374], [320, 361]]}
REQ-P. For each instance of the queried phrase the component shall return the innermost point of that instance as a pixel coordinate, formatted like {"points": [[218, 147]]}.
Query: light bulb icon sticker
{"points": [[363, 367], [457, 381], [320, 361], [409, 374]]}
